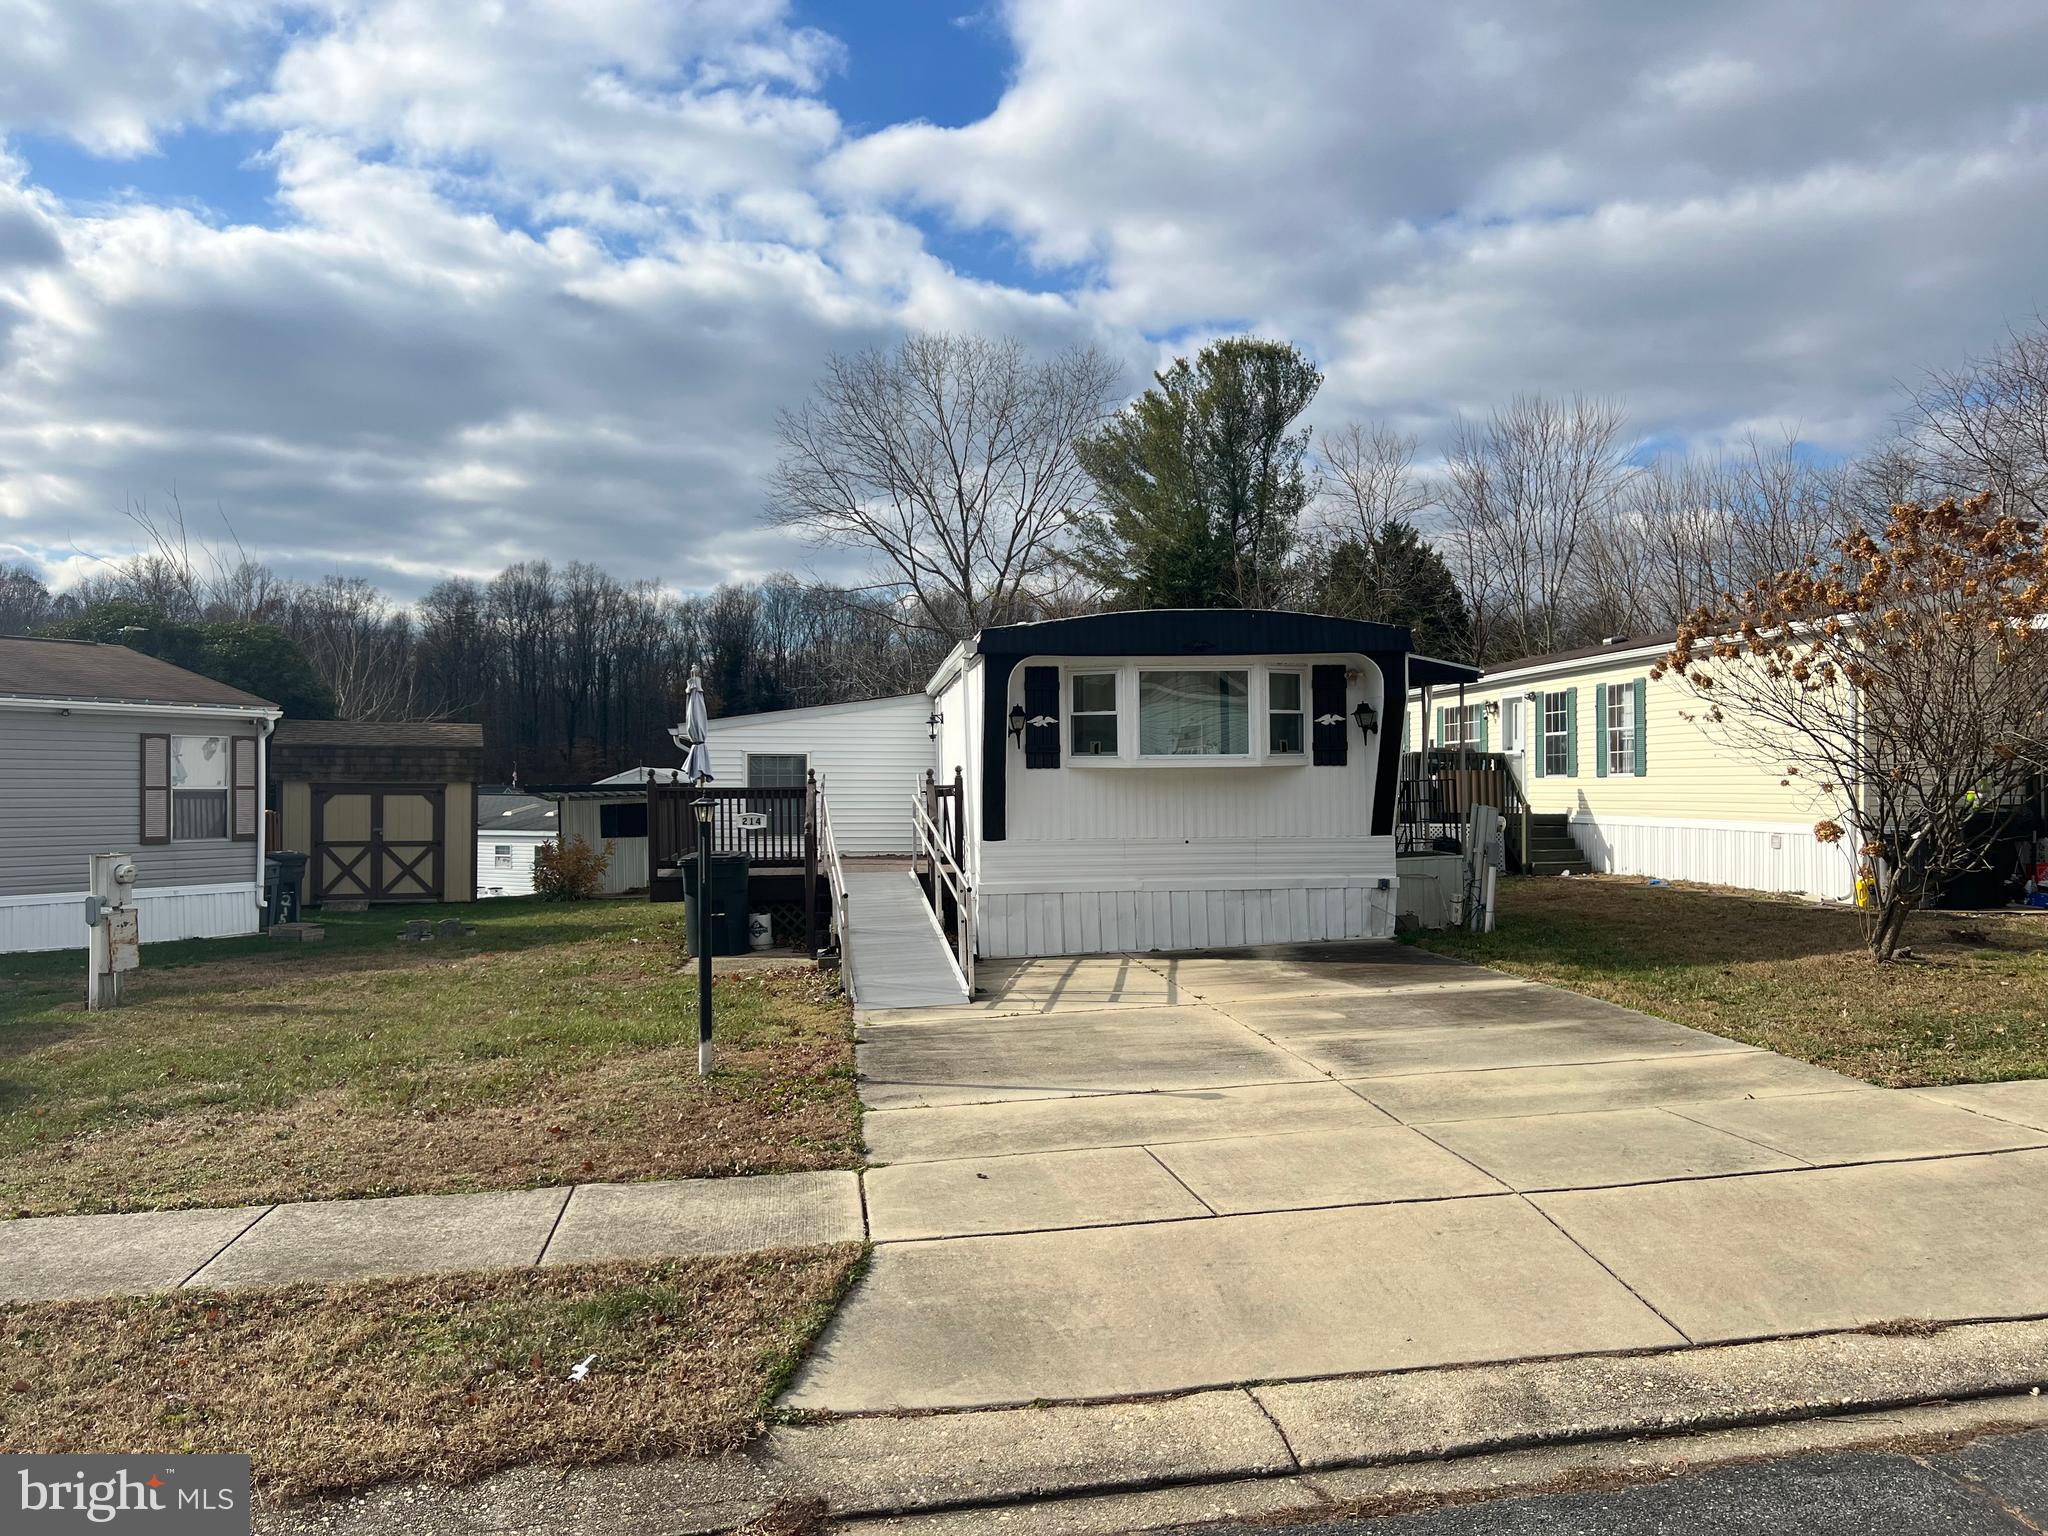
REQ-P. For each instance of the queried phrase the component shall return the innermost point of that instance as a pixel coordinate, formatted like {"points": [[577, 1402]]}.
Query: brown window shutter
{"points": [[244, 790], [156, 790], [1326, 710], [1041, 717]]}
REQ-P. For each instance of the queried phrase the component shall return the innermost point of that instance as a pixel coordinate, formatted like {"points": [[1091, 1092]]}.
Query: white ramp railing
{"points": [[835, 880], [947, 879]]}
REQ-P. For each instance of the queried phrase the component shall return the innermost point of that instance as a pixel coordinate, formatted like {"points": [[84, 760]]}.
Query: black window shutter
{"points": [[156, 790], [1326, 706], [1041, 703]]}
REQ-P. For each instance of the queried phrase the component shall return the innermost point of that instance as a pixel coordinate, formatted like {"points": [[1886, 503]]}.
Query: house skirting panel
{"points": [[57, 920], [1749, 855], [1011, 924]]}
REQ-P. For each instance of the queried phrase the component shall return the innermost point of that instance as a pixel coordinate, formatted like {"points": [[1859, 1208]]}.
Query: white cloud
{"points": [[112, 74], [542, 271]]}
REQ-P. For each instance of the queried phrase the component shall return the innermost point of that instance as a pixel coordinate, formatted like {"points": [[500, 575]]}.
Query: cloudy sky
{"points": [[418, 286]]}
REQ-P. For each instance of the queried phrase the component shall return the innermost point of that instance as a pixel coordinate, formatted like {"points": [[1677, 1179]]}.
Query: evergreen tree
{"points": [[1397, 577], [257, 658], [1201, 481]]}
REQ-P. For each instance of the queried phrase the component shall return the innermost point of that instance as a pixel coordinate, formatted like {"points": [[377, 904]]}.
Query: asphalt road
{"points": [[1996, 1486]]}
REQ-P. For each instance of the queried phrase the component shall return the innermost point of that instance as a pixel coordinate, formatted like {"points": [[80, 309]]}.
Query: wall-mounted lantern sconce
{"points": [[1367, 717], [931, 725], [1017, 723], [1493, 709]]}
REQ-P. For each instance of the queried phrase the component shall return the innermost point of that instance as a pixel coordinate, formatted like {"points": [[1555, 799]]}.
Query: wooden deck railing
{"points": [[787, 840]]}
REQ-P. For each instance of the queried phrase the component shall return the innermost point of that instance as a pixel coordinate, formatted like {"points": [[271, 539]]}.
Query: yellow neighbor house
{"points": [[1609, 757]]}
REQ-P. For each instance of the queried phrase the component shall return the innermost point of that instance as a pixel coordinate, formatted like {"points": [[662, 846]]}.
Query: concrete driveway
{"points": [[1128, 1175]]}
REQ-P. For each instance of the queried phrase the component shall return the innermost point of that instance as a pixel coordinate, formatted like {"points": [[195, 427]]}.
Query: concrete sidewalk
{"points": [[55, 1257], [1124, 1176]]}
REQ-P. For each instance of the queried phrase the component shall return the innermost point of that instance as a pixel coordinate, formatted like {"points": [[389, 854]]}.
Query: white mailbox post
{"points": [[114, 945]]}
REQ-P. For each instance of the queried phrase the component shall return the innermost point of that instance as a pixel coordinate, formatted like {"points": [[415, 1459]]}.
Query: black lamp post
{"points": [[702, 805]]}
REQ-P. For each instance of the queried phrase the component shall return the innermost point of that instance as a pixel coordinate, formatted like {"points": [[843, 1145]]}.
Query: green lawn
{"points": [[556, 1043], [1972, 1006]]}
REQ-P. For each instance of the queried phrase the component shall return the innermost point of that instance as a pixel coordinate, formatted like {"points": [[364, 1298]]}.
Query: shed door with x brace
{"points": [[381, 844]]}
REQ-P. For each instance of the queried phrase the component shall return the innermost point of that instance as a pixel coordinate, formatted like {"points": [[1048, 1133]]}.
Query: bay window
{"points": [[1190, 713]]}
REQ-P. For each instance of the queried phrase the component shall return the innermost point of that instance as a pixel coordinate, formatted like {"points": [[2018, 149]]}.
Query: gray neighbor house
{"points": [[105, 749]]}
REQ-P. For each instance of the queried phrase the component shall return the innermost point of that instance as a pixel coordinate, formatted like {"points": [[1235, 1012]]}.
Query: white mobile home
{"points": [[510, 829], [1178, 779], [104, 749]]}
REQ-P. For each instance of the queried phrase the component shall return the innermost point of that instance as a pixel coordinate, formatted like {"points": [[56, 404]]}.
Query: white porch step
{"points": [[897, 958]]}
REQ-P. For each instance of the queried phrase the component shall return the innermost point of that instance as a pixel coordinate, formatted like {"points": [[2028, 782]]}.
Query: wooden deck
{"points": [[896, 957]]}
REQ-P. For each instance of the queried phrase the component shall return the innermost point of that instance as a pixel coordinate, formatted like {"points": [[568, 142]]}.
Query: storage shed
{"points": [[385, 810]]}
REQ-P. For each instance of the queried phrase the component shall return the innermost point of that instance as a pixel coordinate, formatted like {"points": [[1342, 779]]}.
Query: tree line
{"points": [[986, 485]]}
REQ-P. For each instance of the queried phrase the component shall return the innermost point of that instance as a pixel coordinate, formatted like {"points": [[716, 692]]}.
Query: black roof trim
{"points": [[1195, 632]]}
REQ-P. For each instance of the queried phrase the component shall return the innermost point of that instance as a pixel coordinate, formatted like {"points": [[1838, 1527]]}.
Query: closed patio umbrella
{"points": [[693, 735]]}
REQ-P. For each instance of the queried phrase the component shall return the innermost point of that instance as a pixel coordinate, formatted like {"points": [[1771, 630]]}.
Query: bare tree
{"points": [[950, 461], [360, 645], [1523, 487], [1366, 481], [1905, 683], [1984, 426]]}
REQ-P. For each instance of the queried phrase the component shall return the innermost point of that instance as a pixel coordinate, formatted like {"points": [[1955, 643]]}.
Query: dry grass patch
{"points": [[339, 1387], [1972, 1006], [557, 1044]]}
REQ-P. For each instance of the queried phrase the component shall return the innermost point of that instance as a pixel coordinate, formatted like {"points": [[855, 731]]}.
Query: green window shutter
{"points": [[1537, 727], [1440, 713], [1571, 733], [1600, 731], [1484, 734], [1642, 727]]}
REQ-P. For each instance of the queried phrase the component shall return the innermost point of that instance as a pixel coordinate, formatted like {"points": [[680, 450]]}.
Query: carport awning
{"points": [[585, 791], [1430, 672]]}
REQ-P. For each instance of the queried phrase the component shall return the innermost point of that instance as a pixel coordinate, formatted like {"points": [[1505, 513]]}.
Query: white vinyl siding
{"points": [[869, 756]]}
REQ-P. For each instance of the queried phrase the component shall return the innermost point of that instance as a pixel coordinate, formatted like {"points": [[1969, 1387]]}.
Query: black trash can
{"points": [[284, 875], [728, 903]]}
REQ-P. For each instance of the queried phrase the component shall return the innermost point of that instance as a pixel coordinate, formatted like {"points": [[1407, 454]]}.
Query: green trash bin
{"points": [[728, 903], [284, 875]]}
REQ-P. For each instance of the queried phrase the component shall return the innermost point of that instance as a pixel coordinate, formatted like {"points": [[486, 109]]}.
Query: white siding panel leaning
{"points": [[1755, 856], [199, 912]]}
